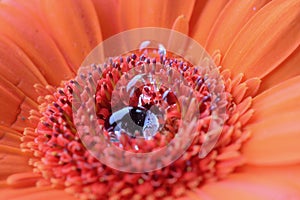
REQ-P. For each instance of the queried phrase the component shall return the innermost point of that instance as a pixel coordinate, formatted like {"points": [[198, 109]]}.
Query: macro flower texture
{"points": [[254, 45]]}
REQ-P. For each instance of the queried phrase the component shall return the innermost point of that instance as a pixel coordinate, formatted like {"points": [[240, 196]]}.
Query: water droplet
{"points": [[152, 48], [134, 111]]}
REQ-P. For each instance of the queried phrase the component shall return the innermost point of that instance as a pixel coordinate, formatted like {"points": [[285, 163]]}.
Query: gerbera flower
{"points": [[256, 45]]}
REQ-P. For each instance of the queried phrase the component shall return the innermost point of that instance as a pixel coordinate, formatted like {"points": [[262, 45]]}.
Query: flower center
{"points": [[142, 108], [141, 104]]}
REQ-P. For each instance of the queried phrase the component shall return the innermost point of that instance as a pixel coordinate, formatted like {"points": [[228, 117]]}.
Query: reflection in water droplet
{"points": [[162, 50], [140, 119], [150, 125]]}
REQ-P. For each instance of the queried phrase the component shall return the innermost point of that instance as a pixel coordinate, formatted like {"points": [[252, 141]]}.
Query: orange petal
{"points": [[76, 31], [9, 137], [105, 10], [198, 9], [34, 193], [25, 179], [266, 40], [13, 163], [286, 70], [290, 173], [230, 21], [181, 24], [275, 125], [12, 101], [27, 32], [205, 19], [252, 185], [12, 160], [253, 85], [135, 13], [18, 69], [32, 6], [198, 194]]}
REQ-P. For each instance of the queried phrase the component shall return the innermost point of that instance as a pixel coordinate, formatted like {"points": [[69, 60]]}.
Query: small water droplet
{"points": [[152, 48]]}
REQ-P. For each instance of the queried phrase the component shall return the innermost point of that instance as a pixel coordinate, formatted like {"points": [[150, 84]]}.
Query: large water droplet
{"points": [[132, 108]]}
